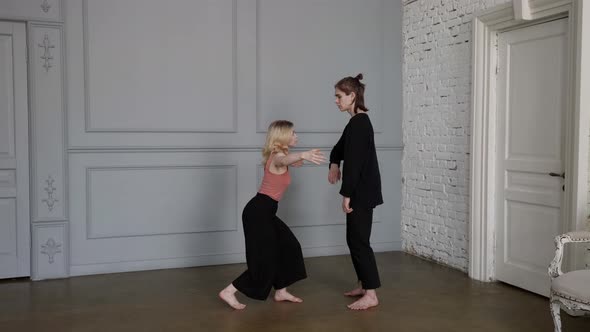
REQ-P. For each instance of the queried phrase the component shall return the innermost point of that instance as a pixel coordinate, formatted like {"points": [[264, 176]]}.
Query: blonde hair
{"points": [[277, 139]]}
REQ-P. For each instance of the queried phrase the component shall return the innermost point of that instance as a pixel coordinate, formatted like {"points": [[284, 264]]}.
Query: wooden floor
{"points": [[416, 295]]}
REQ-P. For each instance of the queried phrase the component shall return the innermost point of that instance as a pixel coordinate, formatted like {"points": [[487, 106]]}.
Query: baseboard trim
{"points": [[207, 260]]}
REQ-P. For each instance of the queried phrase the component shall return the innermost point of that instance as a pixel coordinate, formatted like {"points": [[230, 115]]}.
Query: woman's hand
{"points": [[334, 174], [315, 156], [296, 159], [346, 205]]}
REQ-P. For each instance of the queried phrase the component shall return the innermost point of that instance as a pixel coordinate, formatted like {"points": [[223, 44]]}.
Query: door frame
{"points": [[486, 28]]}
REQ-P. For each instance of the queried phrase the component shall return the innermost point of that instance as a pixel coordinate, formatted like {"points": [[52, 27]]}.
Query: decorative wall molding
{"points": [[48, 124], [91, 234], [46, 56], [522, 9], [213, 258], [157, 264], [50, 254], [32, 10], [198, 149], [50, 228], [90, 128], [51, 248], [45, 6], [50, 189]]}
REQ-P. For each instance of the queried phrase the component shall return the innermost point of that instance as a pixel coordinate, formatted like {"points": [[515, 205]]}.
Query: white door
{"points": [[531, 109], [14, 161]]}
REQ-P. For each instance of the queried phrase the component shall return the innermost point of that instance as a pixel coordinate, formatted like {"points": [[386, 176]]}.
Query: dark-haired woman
{"points": [[361, 187]]}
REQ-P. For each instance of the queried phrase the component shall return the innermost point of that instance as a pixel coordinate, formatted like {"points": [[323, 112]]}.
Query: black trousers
{"points": [[273, 254], [358, 232]]}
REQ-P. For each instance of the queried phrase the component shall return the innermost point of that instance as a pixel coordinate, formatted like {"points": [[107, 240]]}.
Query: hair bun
{"points": [[359, 76]]}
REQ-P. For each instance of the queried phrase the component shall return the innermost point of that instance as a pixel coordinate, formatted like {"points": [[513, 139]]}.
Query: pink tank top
{"points": [[274, 185]]}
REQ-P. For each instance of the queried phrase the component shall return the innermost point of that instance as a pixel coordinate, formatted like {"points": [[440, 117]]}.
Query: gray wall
{"points": [[167, 108]]}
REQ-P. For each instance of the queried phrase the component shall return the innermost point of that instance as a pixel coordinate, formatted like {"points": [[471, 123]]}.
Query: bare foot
{"points": [[228, 295], [356, 292], [282, 295], [365, 302]]}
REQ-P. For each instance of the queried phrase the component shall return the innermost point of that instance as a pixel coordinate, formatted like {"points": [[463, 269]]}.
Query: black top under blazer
{"points": [[361, 180]]}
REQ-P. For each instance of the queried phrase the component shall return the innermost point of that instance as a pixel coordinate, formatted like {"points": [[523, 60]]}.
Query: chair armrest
{"points": [[560, 241]]}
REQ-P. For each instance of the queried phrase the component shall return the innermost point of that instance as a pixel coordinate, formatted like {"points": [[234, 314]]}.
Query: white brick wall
{"points": [[436, 127]]}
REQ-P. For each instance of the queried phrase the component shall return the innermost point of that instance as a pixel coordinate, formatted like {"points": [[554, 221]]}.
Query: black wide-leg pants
{"points": [[273, 254], [358, 233]]}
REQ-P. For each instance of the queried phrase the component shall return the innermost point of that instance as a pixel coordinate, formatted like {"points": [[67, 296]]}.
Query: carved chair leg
{"points": [[555, 310]]}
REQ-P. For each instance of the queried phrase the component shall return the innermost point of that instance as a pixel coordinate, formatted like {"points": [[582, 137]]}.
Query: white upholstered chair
{"points": [[572, 289]]}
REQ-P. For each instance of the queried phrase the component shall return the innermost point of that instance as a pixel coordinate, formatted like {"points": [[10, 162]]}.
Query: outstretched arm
{"points": [[315, 156]]}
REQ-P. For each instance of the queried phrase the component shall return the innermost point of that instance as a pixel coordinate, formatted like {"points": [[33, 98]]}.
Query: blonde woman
{"points": [[273, 254]]}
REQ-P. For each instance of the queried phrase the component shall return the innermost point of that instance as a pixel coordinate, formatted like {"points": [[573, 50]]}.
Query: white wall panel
{"points": [[168, 71], [47, 118], [282, 68], [157, 200], [304, 47], [39, 10], [6, 101], [7, 183], [167, 108], [7, 227], [135, 211], [157, 209]]}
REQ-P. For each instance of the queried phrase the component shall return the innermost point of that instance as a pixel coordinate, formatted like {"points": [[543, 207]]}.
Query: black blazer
{"points": [[361, 180]]}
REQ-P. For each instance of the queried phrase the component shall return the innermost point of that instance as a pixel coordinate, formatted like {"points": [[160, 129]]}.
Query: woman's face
{"points": [[293, 140], [343, 101]]}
